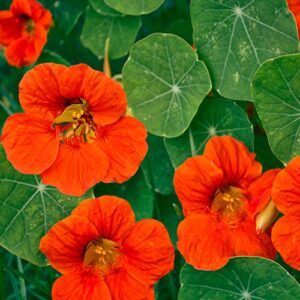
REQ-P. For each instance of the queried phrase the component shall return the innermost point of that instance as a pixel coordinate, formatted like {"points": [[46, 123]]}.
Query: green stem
{"points": [[41, 288], [8, 111], [192, 143], [21, 280], [2, 282]]}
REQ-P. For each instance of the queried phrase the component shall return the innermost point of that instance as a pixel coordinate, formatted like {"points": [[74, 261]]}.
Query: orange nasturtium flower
{"points": [[286, 196], [216, 192], [294, 6], [23, 31], [73, 132], [103, 254]]}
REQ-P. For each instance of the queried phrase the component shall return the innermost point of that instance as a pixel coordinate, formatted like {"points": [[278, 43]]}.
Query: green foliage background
{"points": [[183, 97]]}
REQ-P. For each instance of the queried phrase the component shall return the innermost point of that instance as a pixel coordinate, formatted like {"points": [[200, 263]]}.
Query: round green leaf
{"points": [[165, 83], [28, 209], [135, 7], [136, 191], [100, 7], [215, 116], [52, 57], [157, 166], [235, 37], [102, 24], [243, 278], [276, 95]]}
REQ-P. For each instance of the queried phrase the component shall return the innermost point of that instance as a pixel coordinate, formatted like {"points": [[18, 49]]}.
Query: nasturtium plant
{"points": [[102, 24], [216, 116], [102, 8], [157, 166], [242, 279], [235, 37], [165, 83], [28, 209], [149, 149], [169, 211], [136, 191], [50, 56], [276, 94], [135, 7], [66, 13]]}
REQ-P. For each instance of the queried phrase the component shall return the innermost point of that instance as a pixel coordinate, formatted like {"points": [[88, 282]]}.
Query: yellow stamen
{"points": [[228, 201], [69, 133], [77, 118], [102, 254], [30, 26]]}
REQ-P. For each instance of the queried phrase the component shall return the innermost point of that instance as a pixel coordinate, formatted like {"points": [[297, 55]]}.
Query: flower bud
{"points": [[266, 217]]}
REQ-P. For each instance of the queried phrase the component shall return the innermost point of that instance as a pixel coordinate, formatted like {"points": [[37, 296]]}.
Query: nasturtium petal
{"points": [[135, 7], [243, 278], [276, 95], [235, 37], [101, 24], [165, 83], [28, 209], [215, 116], [136, 191]]}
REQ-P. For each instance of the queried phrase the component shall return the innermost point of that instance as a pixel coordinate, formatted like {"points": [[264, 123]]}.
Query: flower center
{"points": [[76, 122], [228, 201], [29, 25], [102, 254]]}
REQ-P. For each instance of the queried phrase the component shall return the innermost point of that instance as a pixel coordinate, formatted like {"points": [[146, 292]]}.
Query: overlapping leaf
{"points": [[276, 94], [28, 209], [136, 191], [102, 23], [165, 83], [135, 7], [157, 167], [65, 13], [235, 37], [243, 278], [216, 116], [52, 57]]}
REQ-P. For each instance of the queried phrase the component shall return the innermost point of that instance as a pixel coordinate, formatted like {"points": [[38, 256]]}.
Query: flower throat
{"points": [[102, 254], [76, 122], [228, 201]]}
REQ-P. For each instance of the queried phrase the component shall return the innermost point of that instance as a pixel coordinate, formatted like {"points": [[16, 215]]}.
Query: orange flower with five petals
{"points": [[73, 131], [219, 205], [286, 196], [23, 31], [103, 254]]}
